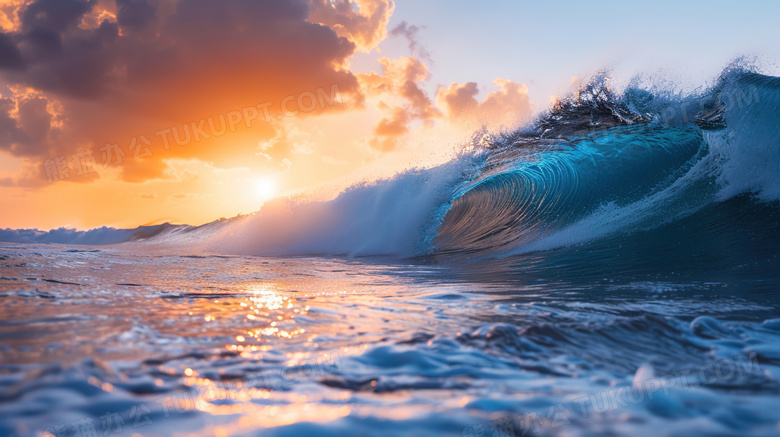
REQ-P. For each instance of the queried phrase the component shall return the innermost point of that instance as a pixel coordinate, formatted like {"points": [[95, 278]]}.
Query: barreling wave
{"points": [[599, 165]]}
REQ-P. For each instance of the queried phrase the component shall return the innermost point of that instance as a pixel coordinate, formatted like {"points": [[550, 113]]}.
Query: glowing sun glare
{"points": [[265, 189]]}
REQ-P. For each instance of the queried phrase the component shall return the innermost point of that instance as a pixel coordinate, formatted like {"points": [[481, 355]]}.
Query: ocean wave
{"points": [[598, 165]]}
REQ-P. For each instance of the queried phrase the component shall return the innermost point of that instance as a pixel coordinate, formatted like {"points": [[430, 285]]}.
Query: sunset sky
{"points": [[132, 112]]}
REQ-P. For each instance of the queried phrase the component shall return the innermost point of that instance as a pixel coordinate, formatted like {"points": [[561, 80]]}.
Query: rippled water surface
{"points": [[120, 341]]}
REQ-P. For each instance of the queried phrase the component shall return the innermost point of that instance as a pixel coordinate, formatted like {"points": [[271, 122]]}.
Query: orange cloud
{"points": [[390, 128], [9, 14], [507, 107], [458, 99], [399, 78], [363, 22], [155, 65]]}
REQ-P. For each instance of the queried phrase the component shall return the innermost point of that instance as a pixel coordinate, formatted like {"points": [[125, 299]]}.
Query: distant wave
{"points": [[97, 236]]}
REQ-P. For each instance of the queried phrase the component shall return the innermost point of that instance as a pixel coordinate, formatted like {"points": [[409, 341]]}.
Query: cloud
{"points": [[9, 14], [509, 106], [404, 69], [30, 125], [400, 78], [119, 71], [10, 55], [363, 22], [403, 29], [288, 140], [389, 129], [458, 99], [136, 15]]}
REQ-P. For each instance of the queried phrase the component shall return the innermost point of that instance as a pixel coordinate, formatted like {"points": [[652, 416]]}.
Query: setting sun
{"points": [[265, 189]]}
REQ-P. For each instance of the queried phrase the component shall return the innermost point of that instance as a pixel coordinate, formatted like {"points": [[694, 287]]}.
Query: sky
{"points": [[134, 112]]}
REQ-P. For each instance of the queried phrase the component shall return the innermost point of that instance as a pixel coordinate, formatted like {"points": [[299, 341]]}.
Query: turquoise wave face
{"points": [[538, 193]]}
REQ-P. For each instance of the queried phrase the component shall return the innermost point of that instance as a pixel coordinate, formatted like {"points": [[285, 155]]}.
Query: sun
{"points": [[265, 188]]}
